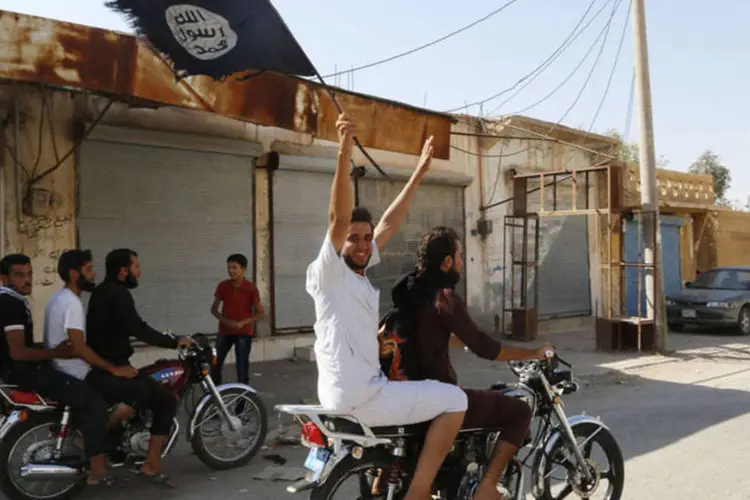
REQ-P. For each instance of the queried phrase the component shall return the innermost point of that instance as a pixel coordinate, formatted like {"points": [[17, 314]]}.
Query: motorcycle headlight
{"points": [[522, 368]]}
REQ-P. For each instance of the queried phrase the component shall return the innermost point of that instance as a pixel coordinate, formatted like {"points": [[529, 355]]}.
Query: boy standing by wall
{"points": [[240, 309]]}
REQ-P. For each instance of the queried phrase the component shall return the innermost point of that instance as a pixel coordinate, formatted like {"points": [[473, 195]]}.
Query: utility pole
{"points": [[649, 195]]}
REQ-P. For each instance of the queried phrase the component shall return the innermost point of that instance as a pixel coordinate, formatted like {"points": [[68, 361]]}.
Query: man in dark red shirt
{"points": [[435, 312], [240, 309]]}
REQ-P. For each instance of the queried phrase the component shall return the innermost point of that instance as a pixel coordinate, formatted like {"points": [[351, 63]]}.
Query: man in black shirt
{"points": [[29, 367], [112, 319]]}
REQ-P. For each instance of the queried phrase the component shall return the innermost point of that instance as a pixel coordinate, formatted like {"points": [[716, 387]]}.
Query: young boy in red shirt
{"points": [[240, 309]]}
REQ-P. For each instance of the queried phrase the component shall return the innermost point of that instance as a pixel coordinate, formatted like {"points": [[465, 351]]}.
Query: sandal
{"points": [[105, 483], [161, 480]]}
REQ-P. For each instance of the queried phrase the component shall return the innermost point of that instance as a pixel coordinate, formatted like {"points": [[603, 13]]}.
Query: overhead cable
{"points": [[603, 35], [614, 67], [572, 36], [426, 45]]}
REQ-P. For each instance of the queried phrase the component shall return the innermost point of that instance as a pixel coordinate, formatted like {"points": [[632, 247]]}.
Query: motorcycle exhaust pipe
{"points": [[47, 472]]}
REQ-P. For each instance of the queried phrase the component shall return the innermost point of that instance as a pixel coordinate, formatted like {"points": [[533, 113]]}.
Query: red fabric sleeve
{"points": [[219, 295], [255, 295]]}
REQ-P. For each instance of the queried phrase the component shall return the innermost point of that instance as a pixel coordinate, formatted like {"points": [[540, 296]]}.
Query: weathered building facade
{"points": [[105, 153]]}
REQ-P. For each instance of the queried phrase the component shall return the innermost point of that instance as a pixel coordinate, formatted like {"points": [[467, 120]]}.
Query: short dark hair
{"points": [[361, 214], [439, 243], [116, 260], [238, 258], [72, 260], [13, 259]]}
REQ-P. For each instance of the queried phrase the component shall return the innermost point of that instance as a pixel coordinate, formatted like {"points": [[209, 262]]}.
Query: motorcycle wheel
{"points": [[199, 444], [615, 473], [12, 457], [372, 460]]}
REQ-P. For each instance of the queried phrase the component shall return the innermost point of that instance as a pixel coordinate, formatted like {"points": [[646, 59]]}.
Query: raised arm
{"points": [[342, 197], [396, 213]]}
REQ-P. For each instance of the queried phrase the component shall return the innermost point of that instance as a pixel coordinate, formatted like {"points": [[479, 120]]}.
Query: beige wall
{"points": [[44, 237], [501, 157], [40, 237], [730, 232]]}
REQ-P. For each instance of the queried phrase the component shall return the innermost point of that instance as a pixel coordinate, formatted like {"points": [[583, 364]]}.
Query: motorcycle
{"points": [[383, 459], [41, 455]]}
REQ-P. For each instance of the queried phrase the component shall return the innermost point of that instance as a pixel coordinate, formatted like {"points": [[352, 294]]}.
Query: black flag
{"points": [[217, 38]]}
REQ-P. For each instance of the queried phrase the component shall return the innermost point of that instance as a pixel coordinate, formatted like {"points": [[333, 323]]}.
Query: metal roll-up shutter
{"points": [[564, 286], [434, 205], [300, 221], [183, 210]]}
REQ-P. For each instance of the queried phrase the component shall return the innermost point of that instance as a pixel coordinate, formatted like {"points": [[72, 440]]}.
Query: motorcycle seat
{"points": [[343, 423], [347, 426]]}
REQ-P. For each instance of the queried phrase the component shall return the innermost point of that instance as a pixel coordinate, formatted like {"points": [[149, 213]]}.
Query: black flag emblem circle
{"points": [[217, 38]]}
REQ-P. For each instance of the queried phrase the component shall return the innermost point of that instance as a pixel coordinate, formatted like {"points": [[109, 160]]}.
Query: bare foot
{"points": [[487, 491]]}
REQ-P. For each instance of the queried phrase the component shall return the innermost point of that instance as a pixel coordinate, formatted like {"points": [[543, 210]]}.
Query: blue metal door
{"points": [[670, 260]]}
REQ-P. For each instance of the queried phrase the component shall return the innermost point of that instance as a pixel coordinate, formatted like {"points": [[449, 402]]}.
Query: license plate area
{"points": [[689, 314], [316, 461]]}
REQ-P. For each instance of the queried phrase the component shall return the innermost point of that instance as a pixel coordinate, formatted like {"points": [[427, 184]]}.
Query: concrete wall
{"points": [[44, 237], [730, 233], [501, 157], [41, 237]]}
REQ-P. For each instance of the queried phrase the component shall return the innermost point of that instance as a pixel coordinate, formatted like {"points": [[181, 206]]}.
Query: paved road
{"points": [[682, 425]]}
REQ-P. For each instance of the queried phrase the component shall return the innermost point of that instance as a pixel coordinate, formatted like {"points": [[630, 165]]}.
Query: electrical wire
{"points": [[494, 156], [426, 45], [601, 9], [497, 175], [614, 66], [75, 148], [611, 74], [572, 36], [603, 35]]}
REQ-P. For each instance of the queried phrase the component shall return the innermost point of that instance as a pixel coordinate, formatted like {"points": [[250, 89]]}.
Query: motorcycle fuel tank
{"points": [[170, 374]]}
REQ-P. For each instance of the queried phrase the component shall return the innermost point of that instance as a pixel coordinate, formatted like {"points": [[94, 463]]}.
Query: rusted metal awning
{"points": [[35, 49]]}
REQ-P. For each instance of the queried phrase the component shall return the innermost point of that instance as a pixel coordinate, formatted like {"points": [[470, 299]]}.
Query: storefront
{"points": [[183, 202]]}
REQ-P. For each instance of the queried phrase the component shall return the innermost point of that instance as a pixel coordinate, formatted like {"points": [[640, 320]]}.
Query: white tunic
{"points": [[346, 330]]}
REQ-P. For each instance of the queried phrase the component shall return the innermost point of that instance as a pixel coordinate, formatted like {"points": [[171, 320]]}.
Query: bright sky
{"points": [[698, 56]]}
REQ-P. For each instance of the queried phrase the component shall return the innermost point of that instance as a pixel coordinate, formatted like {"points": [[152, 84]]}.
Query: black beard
{"points": [[19, 292], [85, 285], [130, 282], [353, 265], [452, 277]]}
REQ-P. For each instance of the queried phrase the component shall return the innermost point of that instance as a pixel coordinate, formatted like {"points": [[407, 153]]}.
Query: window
{"points": [[723, 279]]}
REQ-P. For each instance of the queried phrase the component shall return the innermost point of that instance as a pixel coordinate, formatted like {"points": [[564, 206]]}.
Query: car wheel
{"points": [[743, 323], [676, 327]]}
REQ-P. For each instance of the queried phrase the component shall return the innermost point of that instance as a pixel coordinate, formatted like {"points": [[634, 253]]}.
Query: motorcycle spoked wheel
{"points": [[199, 445], [368, 465], [614, 474], [9, 449]]}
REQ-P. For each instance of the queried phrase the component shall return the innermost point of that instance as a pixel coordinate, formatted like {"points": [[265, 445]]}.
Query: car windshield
{"points": [[723, 279]]}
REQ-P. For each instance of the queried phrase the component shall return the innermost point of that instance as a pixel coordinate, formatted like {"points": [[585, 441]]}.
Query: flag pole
{"points": [[356, 173]]}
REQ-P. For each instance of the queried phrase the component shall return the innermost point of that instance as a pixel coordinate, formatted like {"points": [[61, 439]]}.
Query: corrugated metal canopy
{"points": [[35, 49]]}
